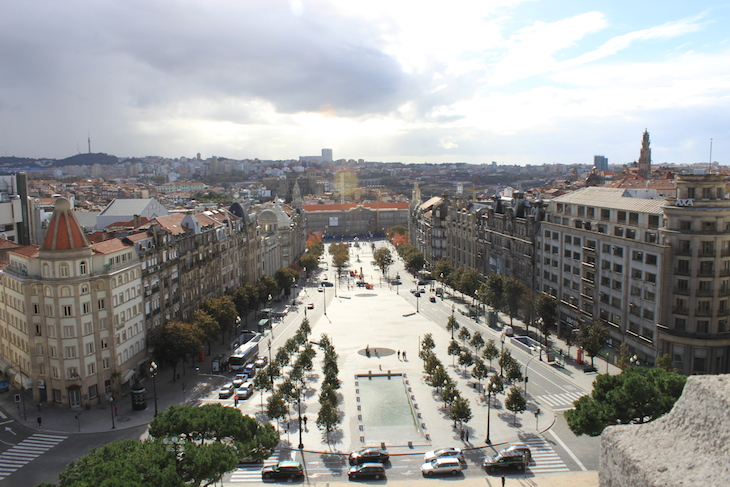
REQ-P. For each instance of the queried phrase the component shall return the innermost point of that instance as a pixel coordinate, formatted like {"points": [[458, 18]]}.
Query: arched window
{"points": [[65, 292], [46, 270], [48, 291], [83, 267], [63, 270], [99, 285], [84, 289], [34, 290]]}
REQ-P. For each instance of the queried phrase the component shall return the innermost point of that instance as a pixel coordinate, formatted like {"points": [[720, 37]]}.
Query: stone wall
{"points": [[688, 446]]}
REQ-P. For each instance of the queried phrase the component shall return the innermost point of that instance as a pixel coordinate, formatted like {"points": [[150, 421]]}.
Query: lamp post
{"points": [[501, 339], [110, 398], [153, 373], [324, 295], [526, 368], [271, 375], [299, 408], [489, 409], [417, 298]]}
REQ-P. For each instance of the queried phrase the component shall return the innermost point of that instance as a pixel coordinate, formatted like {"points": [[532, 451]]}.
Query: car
{"points": [[413, 291], [283, 470], [432, 299], [261, 361], [239, 380], [440, 466], [245, 391], [417, 294], [320, 289], [519, 447], [507, 460], [366, 470], [226, 391], [250, 370], [310, 305], [368, 455], [327, 284], [324, 278], [449, 452]]}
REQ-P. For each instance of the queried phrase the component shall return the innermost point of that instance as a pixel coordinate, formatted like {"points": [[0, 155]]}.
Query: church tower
{"points": [[645, 157]]}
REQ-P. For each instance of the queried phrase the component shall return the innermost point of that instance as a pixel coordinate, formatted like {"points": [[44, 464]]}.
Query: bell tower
{"points": [[645, 157]]}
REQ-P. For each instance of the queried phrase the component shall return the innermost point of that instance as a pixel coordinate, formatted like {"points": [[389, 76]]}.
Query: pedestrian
{"points": [[404, 354], [39, 421], [398, 354], [467, 436], [305, 421], [461, 434], [115, 410], [503, 480], [235, 400]]}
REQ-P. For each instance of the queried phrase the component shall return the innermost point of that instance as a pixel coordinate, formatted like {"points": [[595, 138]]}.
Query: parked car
{"points": [[440, 466], [521, 448], [368, 455], [245, 391], [366, 470], [310, 306], [283, 470], [507, 460], [239, 380], [449, 452], [226, 391]]}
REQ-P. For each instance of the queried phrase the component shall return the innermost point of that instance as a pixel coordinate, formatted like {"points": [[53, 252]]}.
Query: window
{"points": [[618, 231], [618, 251], [706, 267], [649, 277], [650, 237], [617, 285], [649, 296], [63, 270], [636, 273], [67, 310], [706, 193], [85, 308], [49, 311], [73, 373], [70, 352], [621, 216], [631, 233], [648, 314], [680, 324], [605, 281], [68, 332], [606, 248], [683, 266], [651, 259], [104, 343], [615, 302], [102, 323], [605, 264], [633, 218], [93, 391], [690, 192], [91, 368], [618, 268], [653, 221], [89, 348], [100, 304], [685, 225], [708, 226], [105, 363], [699, 364], [83, 268], [635, 291], [605, 214]]}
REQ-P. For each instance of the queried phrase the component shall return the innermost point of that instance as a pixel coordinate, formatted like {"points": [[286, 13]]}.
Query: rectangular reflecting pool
{"points": [[385, 409]]}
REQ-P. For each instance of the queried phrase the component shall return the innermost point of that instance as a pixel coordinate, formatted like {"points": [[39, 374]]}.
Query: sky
{"points": [[511, 81]]}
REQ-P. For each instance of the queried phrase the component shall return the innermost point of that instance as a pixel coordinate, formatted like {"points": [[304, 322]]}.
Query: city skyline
{"points": [[516, 82]]}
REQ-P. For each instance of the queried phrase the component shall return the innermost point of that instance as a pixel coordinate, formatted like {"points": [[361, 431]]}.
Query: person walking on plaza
{"points": [[503, 480], [466, 435], [39, 421], [403, 355], [305, 421]]}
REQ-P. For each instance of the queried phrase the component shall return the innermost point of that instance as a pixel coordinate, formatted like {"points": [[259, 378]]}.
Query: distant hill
{"points": [[87, 160], [12, 161]]}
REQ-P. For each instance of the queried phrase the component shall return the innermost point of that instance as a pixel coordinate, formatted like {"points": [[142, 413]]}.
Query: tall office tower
{"points": [[326, 155], [645, 156], [600, 163]]}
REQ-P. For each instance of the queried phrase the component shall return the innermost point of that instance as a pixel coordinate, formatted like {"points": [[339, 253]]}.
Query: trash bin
{"points": [[139, 397], [579, 356]]}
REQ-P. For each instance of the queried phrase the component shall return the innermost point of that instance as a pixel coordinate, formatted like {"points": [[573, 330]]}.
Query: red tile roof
{"points": [[64, 231]]}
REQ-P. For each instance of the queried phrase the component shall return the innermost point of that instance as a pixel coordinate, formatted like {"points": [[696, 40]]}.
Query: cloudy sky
{"points": [[512, 81]]}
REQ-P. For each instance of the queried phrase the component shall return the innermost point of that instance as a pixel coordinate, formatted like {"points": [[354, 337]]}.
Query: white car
{"points": [[239, 380], [440, 466], [320, 289], [449, 452]]}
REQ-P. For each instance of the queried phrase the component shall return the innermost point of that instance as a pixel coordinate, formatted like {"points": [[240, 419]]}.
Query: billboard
{"points": [[334, 221]]}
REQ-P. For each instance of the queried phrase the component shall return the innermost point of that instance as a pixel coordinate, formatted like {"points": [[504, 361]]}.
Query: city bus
{"points": [[242, 355]]}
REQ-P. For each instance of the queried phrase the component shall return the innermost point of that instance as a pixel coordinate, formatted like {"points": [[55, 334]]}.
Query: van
{"points": [[245, 391]]}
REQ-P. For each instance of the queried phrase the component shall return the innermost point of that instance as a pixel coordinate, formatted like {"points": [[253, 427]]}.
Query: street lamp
{"points": [[502, 338], [153, 373], [490, 385], [271, 374], [324, 295], [526, 368], [299, 408]]}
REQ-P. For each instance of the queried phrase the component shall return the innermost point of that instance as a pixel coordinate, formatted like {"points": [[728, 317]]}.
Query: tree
{"points": [[124, 463], [513, 370], [223, 310], [246, 300], [276, 407], [383, 259], [496, 383], [328, 418], [464, 335], [479, 371], [173, 342], [215, 422], [665, 362], [465, 360], [513, 291], [622, 357], [469, 282], [431, 363], [477, 342], [490, 351], [515, 402], [449, 393], [265, 288], [285, 278], [207, 325], [439, 378], [493, 291], [454, 349], [546, 308], [460, 411], [309, 262], [427, 345], [592, 336], [505, 360], [452, 325], [636, 395]]}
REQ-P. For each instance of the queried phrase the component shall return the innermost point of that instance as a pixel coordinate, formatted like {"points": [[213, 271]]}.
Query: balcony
{"points": [[682, 272], [682, 291], [686, 252], [705, 293], [680, 311], [703, 312]]}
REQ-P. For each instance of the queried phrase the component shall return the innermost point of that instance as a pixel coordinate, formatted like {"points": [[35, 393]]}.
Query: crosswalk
{"points": [[252, 472], [26, 451], [564, 400], [544, 458]]}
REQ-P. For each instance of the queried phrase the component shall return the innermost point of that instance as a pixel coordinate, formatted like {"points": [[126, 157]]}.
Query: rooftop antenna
{"points": [[710, 166]]}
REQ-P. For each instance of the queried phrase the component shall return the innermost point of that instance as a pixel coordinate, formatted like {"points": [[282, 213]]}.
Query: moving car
{"points": [[521, 448], [440, 466], [239, 380], [367, 470], [449, 452], [261, 361], [226, 391], [505, 460], [245, 391], [368, 455], [250, 370], [432, 299], [283, 470], [320, 289], [310, 306], [327, 284]]}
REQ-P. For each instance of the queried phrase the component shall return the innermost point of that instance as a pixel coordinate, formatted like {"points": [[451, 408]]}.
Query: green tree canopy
{"points": [[309, 261], [460, 411], [383, 259], [515, 402], [546, 308], [636, 395], [469, 282], [592, 337], [207, 325], [285, 279], [223, 310], [493, 291], [513, 291], [174, 341]]}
